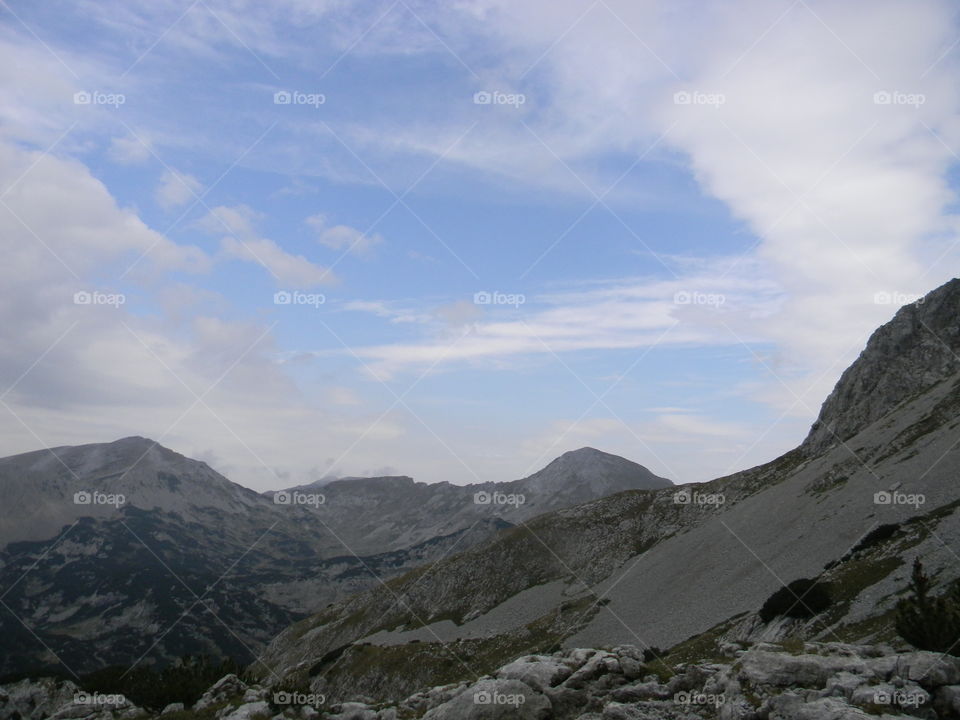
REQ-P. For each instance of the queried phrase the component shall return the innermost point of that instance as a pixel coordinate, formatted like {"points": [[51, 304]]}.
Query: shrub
{"points": [[802, 598], [926, 622], [183, 681], [875, 537]]}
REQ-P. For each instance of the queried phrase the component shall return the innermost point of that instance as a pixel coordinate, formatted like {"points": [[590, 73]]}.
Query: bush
{"points": [[802, 598], [183, 681], [930, 623], [875, 537]]}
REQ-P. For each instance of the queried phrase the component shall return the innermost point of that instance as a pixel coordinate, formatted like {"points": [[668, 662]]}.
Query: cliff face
{"points": [[917, 349]]}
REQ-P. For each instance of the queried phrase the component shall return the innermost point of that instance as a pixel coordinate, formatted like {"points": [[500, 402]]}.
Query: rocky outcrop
{"points": [[917, 349], [818, 681]]}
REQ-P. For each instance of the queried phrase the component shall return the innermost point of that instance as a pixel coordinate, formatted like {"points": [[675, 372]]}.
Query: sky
{"points": [[314, 238]]}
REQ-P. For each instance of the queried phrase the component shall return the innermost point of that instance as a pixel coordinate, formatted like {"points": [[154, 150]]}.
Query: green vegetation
{"points": [[802, 598], [184, 681], [930, 623]]}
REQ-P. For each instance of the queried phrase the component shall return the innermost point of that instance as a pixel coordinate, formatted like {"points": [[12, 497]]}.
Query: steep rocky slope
{"points": [[909, 354], [656, 568]]}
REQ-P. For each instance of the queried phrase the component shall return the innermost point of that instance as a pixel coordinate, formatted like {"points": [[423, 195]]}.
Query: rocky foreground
{"points": [[815, 681]]}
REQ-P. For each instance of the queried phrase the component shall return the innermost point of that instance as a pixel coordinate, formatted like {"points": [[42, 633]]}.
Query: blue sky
{"points": [[704, 210]]}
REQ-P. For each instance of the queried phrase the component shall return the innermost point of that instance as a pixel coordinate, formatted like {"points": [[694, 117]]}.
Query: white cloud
{"points": [[128, 150], [342, 237], [244, 243], [177, 189]]}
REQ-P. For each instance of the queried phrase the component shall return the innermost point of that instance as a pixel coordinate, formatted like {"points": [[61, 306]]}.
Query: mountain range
{"points": [[128, 551]]}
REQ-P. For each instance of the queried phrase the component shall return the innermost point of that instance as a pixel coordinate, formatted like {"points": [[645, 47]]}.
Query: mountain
{"points": [[872, 487], [391, 513], [115, 551]]}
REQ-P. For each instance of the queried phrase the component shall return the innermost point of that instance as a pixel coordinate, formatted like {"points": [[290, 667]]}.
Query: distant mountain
{"points": [[874, 486], [116, 550]]}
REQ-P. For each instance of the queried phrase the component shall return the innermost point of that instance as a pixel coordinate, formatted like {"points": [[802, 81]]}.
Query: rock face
{"points": [[658, 567], [917, 349], [106, 548], [822, 681]]}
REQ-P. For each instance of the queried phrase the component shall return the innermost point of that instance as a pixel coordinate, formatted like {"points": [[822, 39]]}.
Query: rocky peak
{"points": [[592, 468], [917, 349]]}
